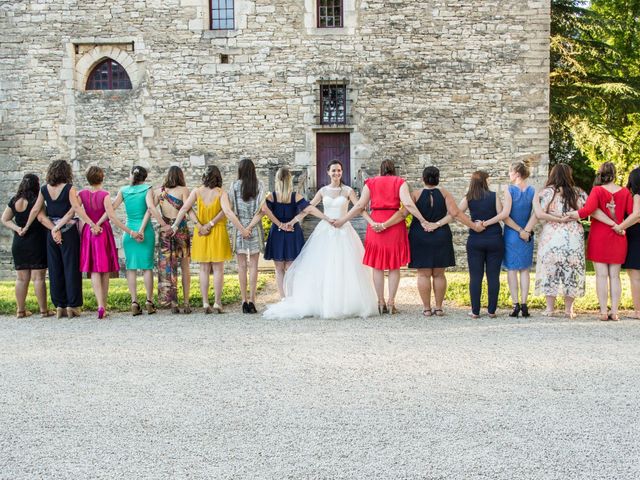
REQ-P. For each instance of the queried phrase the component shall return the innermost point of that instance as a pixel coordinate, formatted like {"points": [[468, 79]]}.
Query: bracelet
{"points": [[211, 224]]}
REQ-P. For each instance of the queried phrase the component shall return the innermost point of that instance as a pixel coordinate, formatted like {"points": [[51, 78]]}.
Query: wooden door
{"points": [[329, 147]]}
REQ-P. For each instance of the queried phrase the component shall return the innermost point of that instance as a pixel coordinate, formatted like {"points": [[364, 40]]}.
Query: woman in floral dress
{"points": [[560, 263]]}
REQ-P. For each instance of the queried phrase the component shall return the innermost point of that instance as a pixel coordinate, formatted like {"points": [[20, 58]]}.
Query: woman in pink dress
{"points": [[386, 246], [98, 252]]}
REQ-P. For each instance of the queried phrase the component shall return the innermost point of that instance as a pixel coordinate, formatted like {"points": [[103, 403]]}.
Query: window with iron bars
{"points": [[333, 104], [330, 14], [222, 12]]}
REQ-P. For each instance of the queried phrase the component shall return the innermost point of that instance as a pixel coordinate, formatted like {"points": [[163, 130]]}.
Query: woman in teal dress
{"points": [[139, 248]]}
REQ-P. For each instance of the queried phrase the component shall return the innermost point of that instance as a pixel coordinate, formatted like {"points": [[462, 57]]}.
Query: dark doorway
{"points": [[332, 146]]}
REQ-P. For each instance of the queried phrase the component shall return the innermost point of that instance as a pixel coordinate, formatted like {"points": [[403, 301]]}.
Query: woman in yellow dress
{"points": [[210, 246]]}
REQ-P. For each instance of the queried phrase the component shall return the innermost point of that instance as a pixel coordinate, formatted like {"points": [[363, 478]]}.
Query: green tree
{"points": [[595, 86]]}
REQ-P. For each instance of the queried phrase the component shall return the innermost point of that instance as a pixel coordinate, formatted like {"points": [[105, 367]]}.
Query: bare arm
{"points": [[228, 211], [633, 217], [455, 211], [111, 214], [274, 220], [188, 205], [34, 211], [503, 209], [317, 198], [152, 204], [78, 208], [310, 209], [541, 214], [7, 220]]}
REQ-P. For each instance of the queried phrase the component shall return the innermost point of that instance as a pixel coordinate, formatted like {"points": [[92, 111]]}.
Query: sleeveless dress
{"points": [[98, 253], [431, 249], [138, 255], [604, 245], [171, 250], [518, 254], [245, 211], [327, 279], [632, 262], [29, 251], [389, 249], [214, 247], [560, 263], [284, 246]]}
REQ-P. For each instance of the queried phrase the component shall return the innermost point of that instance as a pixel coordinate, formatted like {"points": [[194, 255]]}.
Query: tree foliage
{"points": [[595, 84]]}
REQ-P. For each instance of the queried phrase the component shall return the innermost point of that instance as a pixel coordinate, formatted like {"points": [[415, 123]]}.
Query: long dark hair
{"points": [[431, 176], [335, 162], [247, 175], [606, 174], [174, 178], [633, 184], [28, 188], [478, 185], [561, 179]]}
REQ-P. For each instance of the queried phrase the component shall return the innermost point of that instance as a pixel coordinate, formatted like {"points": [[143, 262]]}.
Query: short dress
{"points": [[138, 255], [245, 211], [30, 251], [283, 246], [215, 246], [431, 249], [389, 249], [518, 254], [98, 253], [632, 262], [604, 245]]}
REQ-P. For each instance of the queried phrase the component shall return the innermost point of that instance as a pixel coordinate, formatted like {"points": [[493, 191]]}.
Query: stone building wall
{"points": [[461, 85]]}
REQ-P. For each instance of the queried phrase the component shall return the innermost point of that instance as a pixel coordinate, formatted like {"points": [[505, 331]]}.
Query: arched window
{"points": [[108, 75]]}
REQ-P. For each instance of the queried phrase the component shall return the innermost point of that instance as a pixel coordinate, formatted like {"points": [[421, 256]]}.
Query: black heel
{"points": [[516, 310], [525, 310]]}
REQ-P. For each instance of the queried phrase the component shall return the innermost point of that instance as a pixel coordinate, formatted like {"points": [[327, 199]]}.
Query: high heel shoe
{"points": [[135, 309], [101, 313], [252, 308], [187, 308], [524, 310], [47, 313], [61, 312], [23, 314], [382, 308], [516, 310], [150, 307], [245, 307], [217, 308], [392, 309], [73, 312]]}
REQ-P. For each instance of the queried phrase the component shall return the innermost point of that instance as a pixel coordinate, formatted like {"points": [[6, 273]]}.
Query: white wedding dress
{"points": [[328, 279]]}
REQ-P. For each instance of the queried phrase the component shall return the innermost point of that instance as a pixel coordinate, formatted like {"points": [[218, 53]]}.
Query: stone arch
{"points": [[86, 63]]}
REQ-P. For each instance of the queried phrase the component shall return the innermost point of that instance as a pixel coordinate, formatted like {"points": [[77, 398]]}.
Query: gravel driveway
{"points": [[234, 396]]}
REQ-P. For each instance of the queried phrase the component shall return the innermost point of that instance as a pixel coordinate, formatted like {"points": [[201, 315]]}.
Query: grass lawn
{"points": [[458, 293], [119, 299]]}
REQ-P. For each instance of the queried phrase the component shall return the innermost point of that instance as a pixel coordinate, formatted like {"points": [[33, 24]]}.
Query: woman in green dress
{"points": [[139, 248]]}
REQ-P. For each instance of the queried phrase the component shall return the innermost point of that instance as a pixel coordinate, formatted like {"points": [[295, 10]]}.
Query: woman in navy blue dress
{"points": [[285, 238], [518, 237], [485, 249]]}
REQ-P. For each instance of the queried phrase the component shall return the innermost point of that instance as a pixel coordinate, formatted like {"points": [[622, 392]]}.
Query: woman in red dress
{"points": [[605, 247], [386, 246]]}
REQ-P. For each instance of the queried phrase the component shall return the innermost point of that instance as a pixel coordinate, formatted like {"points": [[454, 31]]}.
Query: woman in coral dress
{"points": [[210, 246], [605, 247], [386, 247], [98, 252]]}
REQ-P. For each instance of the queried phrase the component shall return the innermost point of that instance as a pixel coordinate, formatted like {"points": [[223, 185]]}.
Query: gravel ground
{"points": [[234, 396]]}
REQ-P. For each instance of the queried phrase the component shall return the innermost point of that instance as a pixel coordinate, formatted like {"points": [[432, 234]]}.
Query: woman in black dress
{"points": [[29, 248], [632, 262]]}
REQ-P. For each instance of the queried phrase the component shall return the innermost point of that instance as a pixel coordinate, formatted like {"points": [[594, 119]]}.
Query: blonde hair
{"points": [[284, 185], [521, 169]]}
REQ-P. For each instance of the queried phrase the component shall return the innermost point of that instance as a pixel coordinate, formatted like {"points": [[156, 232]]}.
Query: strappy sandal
{"points": [[613, 317], [208, 309], [217, 308], [570, 315], [135, 309], [47, 313], [427, 312], [473, 315], [150, 307], [393, 310], [438, 312], [603, 317], [382, 308], [187, 308], [175, 309], [23, 314]]}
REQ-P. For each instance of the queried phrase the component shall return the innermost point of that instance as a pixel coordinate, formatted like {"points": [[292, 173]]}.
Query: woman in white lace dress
{"points": [[327, 279]]}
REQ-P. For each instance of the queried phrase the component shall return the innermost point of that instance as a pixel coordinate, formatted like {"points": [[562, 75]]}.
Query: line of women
{"points": [[332, 275]]}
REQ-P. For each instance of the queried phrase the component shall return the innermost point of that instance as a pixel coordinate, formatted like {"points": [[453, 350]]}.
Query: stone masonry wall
{"points": [[460, 85]]}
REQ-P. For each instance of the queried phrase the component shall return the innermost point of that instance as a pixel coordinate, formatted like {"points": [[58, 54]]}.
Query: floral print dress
{"points": [[560, 262]]}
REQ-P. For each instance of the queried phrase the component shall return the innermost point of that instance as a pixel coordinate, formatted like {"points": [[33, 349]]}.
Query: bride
{"points": [[327, 279]]}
